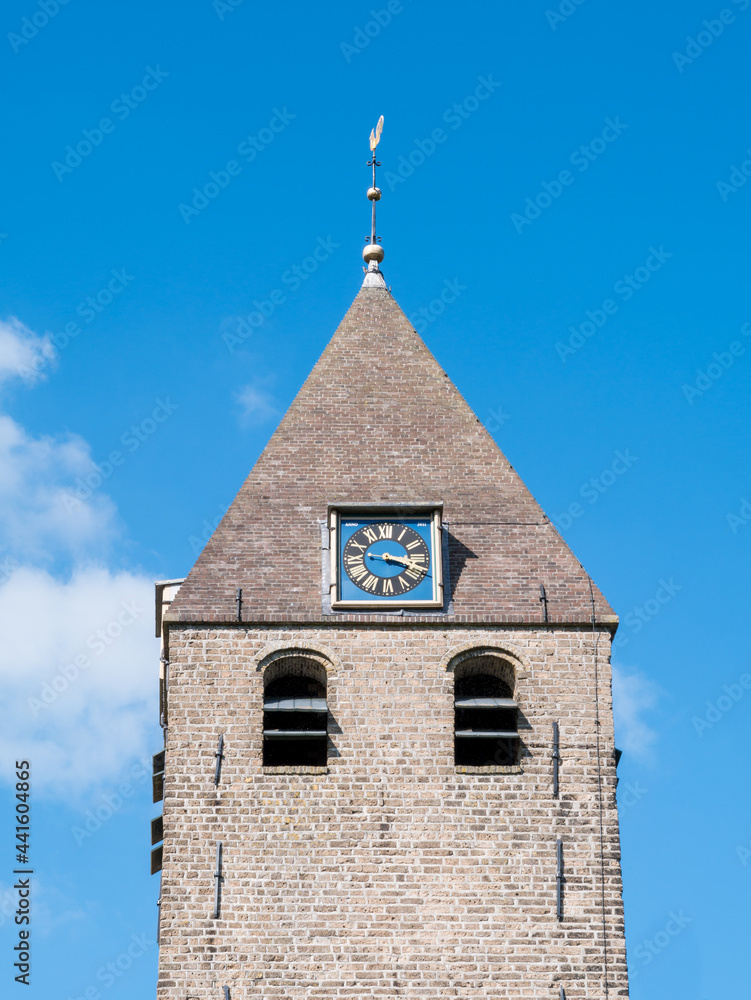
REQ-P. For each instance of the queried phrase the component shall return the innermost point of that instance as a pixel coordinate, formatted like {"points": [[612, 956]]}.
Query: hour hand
{"points": [[387, 557], [398, 559]]}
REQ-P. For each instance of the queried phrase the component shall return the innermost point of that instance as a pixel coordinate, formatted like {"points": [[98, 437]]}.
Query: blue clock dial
{"points": [[386, 559]]}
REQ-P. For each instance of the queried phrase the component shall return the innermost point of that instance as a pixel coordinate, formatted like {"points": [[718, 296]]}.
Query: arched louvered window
{"points": [[485, 713], [295, 714]]}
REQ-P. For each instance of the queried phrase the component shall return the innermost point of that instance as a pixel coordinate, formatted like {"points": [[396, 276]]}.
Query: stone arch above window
{"points": [[270, 654], [503, 651]]}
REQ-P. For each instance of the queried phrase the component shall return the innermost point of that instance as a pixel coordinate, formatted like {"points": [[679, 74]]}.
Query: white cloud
{"points": [[78, 669], [39, 475], [634, 696], [52, 907], [23, 354], [256, 402], [8, 902], [37, 482], [78, 658]]}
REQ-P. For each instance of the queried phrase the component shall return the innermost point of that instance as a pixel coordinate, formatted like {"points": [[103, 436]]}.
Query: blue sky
{"points": [[590, 217]]}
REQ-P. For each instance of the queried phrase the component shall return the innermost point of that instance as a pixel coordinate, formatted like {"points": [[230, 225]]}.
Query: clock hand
{"points": [[399, 559], [387, 557]]}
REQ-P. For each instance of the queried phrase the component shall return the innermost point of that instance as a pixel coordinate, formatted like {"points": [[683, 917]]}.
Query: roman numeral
{"points": [[357, 572], [414, 545], [370, 583], [385, 530], [402, 535], [356, 545], [412, 574], [370, 534], [388, 587]]}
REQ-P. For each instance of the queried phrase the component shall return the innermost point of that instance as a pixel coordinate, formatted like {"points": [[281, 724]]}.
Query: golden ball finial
{"points": [[372, 252]]}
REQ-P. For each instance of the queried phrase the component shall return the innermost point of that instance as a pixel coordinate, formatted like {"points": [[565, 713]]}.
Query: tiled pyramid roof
{"points": [[378, 420]]}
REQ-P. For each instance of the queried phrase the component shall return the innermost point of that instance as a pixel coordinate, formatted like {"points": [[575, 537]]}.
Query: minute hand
{"points": [[399, 559]]}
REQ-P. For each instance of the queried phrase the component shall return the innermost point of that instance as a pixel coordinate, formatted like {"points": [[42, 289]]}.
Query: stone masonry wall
{"points": [[391, 873]]}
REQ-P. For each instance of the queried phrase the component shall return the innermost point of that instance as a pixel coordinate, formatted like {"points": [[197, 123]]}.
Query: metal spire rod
{"points": [[373, 199], [373, 252]]}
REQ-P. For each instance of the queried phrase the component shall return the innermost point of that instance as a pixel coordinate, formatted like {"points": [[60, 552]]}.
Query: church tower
{"points": [[389, 767]]}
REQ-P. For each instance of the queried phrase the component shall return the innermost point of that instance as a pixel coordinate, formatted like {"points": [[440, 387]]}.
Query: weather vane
{"points": [[373, 253]]}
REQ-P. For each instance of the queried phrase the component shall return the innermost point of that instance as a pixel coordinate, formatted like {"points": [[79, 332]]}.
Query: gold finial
{"points": [[375, 135], [373, 253]]}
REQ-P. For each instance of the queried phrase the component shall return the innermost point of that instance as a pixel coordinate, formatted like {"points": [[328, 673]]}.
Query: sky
{"points": [[572, 179]]}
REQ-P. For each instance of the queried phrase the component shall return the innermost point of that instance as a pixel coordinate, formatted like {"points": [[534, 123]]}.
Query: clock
{"points": [[386, 558]]}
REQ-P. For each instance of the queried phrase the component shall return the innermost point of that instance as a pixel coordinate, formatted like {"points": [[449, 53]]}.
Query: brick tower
{"points": [[390, 768]]}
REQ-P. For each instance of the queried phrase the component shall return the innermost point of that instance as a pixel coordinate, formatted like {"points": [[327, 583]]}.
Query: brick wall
{"points": [[390, 874], [379, 421]]}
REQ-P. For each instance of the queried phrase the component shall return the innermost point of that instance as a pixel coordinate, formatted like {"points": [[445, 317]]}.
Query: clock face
{"points": [[388, 559]]}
